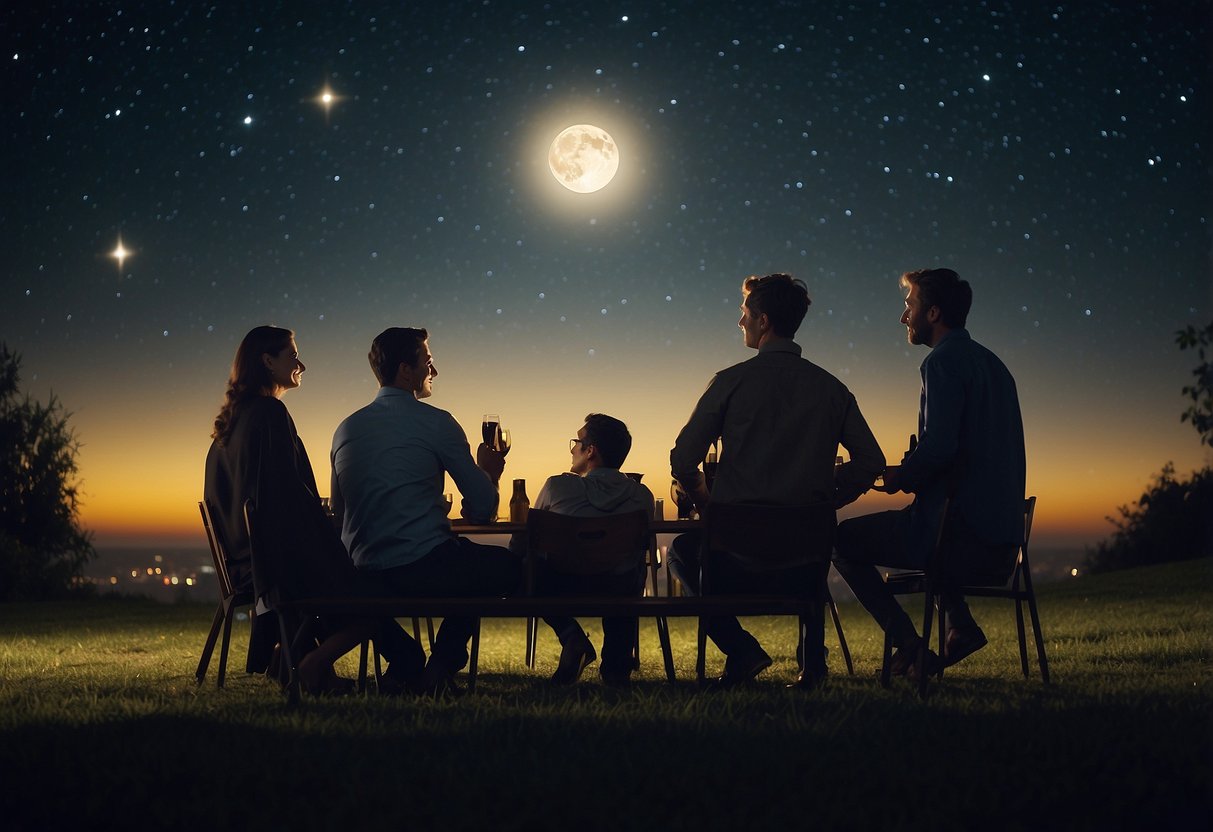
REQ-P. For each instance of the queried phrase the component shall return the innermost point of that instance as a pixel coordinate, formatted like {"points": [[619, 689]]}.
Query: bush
{"points": [[1172, 520]]}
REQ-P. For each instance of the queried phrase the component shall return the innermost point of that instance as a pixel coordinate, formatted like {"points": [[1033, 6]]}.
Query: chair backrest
{"points": [[587, 545], [947, 547], [214, 536], [772, 536]]}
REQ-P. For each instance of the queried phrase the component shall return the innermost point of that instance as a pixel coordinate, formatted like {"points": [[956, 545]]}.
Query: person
{"points": [[594, 487], [781, 419], [256, 454], [969, 448], [389, 460]]}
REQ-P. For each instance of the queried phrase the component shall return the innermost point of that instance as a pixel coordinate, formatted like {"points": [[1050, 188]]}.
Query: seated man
{"points": [[389, 461], [593, 488], [969, 448], [781, 419]]}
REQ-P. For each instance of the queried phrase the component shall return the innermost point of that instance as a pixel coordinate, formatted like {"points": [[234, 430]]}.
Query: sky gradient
{"points": [[1056, 156]]}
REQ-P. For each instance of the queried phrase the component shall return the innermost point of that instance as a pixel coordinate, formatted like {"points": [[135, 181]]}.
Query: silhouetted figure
{"points": [[389, 461], [970, 447], [781, 419], [257, 454], [594, 487]]}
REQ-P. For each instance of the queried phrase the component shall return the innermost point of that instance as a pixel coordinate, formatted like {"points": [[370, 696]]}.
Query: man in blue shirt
{"points": [[389, 463], [969, 448]]}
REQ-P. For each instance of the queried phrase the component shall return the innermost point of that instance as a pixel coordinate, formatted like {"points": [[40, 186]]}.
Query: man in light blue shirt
{"points": [[389, 462]]}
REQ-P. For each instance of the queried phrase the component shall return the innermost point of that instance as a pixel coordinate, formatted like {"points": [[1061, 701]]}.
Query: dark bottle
{"points": [[519, 504]]}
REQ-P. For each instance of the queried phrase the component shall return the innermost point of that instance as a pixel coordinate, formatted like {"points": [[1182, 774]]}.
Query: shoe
{"points": [[324, 682], [961, 643], [574, 657], [438, 683], [810, 680], [903, 659], [933, 665], [396, 686], [619, 681], [740, 672]]}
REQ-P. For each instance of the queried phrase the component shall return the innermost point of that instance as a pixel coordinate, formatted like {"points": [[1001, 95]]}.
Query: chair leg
{"points": [[475, 659], [842, 640], [1040, 639], [636, 646], [228, 615], [417, 629], [667, 655], [942, 622], [925, 645], [701, 649], [209, 647], [285, 639], [531, 633], [362, 666]]}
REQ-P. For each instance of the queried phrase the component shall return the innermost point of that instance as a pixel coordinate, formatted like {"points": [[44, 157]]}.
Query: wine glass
{"points": [[490, 425], [503, 441]]}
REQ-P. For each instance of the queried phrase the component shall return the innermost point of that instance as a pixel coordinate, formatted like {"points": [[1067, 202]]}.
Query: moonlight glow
{"points": [[583, 158]]}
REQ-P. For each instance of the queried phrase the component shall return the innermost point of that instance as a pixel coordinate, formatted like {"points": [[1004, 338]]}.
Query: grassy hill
{"points": [[101, 724]]}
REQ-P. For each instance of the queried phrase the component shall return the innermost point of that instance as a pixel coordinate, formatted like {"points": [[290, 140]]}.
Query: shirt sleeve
{"points": [[943, 401], [700, 431], [867, 460], [480, 496]]}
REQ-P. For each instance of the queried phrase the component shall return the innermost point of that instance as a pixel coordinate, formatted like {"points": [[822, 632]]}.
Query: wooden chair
{"points": [[591, 546], [230, 601], [936, 579], [777, 537]]}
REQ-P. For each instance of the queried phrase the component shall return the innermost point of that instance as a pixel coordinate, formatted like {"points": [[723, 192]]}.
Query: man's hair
{"points": [[610, 436], [395, 346], [945, 289], [781, 297]]}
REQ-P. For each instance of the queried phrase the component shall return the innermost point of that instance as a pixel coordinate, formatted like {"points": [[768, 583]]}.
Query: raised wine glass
{"points": [[503, 441], [490, 425]]}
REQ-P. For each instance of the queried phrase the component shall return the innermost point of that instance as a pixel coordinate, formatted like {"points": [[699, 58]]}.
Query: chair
{"points": [[777, 537], [591, 546], [935, 580], [230, 601]]}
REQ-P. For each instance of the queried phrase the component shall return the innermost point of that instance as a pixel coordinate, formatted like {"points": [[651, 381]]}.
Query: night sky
{"points": [[1057, 156]]}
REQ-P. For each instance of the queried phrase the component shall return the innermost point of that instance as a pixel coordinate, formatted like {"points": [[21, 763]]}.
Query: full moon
{"points": [[583, 158]]}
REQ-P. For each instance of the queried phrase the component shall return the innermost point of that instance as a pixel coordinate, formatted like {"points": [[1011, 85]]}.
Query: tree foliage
{"points": [[1172, 520], [43, 548], [1200, 412]]}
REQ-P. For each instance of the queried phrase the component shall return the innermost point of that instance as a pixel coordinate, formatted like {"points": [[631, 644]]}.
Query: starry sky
{"points": [[1056, 155]]}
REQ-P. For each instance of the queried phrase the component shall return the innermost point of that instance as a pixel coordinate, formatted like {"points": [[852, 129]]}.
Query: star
{"points": [[120, 253]]}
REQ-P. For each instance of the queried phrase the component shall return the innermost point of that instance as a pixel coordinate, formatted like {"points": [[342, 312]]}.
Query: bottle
{"points": [[519, 504]]}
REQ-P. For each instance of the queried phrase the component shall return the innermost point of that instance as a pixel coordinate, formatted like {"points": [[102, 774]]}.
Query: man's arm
{"points": [[700, 431], [939, 440], [867, 460], [478, 487]]}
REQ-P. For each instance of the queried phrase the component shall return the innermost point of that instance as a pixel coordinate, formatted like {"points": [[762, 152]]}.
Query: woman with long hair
{"points": [[257, 455]]}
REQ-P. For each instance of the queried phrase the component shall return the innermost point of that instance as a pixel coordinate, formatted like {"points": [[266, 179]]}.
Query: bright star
{"points": [[326, 99], [120, 253]]}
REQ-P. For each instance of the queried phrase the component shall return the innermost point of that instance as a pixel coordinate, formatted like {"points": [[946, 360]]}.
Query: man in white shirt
{"points": [[389, 463]]}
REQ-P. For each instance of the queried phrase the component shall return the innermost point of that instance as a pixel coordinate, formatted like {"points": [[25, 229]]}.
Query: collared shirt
{"points": [[781, 419], [970, 444], [388, 463]]}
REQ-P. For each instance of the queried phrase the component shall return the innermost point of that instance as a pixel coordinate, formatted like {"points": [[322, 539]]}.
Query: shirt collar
{"points": [[392, 392], [780, 345], [960, 334]]}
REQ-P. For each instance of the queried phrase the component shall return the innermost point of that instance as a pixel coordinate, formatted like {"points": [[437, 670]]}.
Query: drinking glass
{"points": [[490, 424], [503, 441]]}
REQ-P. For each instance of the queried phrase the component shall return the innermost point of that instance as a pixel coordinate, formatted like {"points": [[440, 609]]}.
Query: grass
{"points": [[101, 724]]}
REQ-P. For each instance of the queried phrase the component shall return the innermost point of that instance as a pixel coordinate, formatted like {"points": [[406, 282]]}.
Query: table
{"points": [[656, 527]]}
